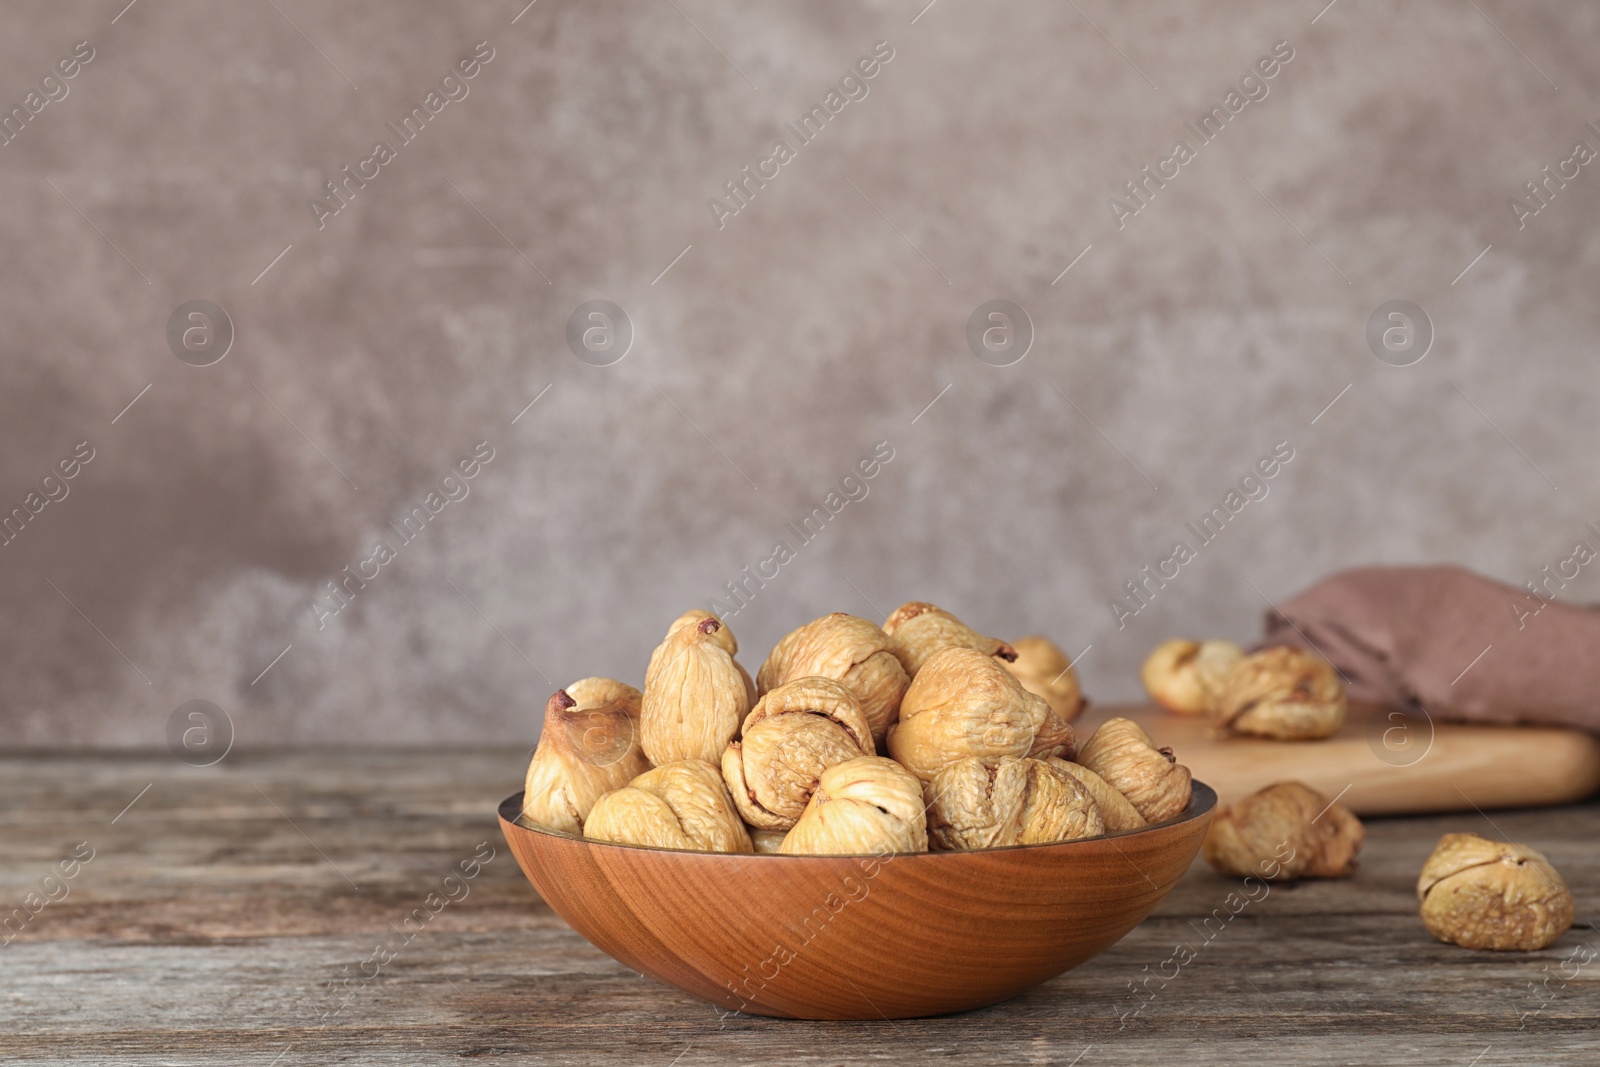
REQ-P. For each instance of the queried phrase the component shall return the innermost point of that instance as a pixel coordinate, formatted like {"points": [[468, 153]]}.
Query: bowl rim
{"points": [[1202, 801]]}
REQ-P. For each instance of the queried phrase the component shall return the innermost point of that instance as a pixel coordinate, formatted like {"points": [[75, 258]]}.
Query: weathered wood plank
{"points": [[215, 920]]}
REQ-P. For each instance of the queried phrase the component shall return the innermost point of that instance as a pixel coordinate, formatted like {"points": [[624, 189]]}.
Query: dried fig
{"points": [[1284, 832], [694, 693], [1478, 893], [724, 637], [794, 733], [768, 842], [1045, 671], [588, 747], [1010, 801], [1281, 693], [677, 805], [1116, 810], [965, 703], [863, 806], [1151, 778], [847, 649], [917, 630], [1185, 677]]}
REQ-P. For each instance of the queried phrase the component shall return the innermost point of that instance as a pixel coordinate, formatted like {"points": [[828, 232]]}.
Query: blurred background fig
{"points": [[1284, 832], [589, 746], [849, 650], [864, 806], [1185, 677], [793, 734], [1281, 693], [1044, 670]]}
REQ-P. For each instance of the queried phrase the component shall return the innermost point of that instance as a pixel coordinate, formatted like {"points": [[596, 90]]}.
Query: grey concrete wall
{"points": [[779, 349]]}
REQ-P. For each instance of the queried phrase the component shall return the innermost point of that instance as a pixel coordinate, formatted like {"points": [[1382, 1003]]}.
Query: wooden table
{"points": [[231, 912]]}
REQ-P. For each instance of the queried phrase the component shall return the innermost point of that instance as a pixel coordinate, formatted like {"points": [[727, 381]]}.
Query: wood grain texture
{"points": [[207, 929], [1389, 766], [867, 937]]}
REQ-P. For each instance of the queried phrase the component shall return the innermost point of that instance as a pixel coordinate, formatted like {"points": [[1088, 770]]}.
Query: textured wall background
{"points": [[823, 318]]}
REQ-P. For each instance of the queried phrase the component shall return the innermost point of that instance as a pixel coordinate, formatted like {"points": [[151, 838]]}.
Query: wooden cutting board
{"points": [[1385, 764]]}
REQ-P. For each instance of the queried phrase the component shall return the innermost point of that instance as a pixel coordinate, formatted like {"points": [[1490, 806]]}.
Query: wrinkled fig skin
{"points": [[1185, 677], [917, 630], [1152, 779], [965, 703], [1055, 736], [682, 805], [1281, 693], [694, 694], [588, 747], [880, 683], [847, 649], [1046, 672], [795, 733], [1283, 833], [865, 806], [1486, 894], [973, 804], [724, 637], [1116, 811]]}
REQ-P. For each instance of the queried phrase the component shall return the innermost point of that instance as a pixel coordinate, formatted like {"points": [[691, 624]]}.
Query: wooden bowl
{"points": [[858, 937]]}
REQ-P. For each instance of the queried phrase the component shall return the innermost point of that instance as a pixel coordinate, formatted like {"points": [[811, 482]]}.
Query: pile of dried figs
{"points": [[851, 739], [923, 734], [1473, 892]]}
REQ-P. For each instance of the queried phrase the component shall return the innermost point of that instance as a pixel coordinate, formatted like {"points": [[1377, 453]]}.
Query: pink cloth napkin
{"points": [[1452, 643]]}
